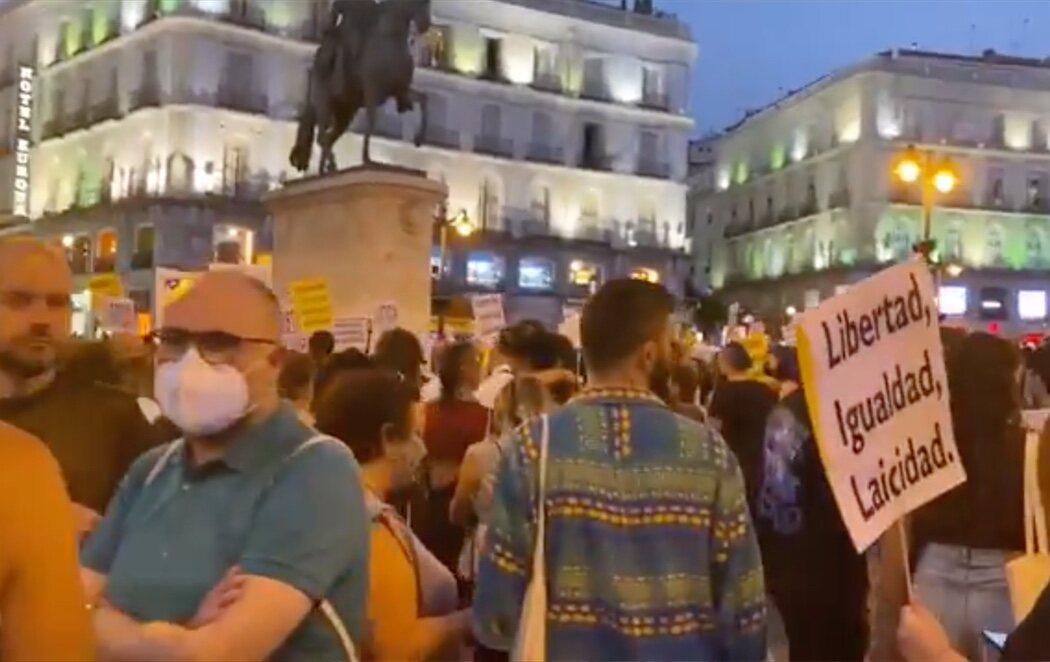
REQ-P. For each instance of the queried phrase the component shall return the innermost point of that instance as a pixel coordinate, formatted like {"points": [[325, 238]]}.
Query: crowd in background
{"points": [[235, 500]]}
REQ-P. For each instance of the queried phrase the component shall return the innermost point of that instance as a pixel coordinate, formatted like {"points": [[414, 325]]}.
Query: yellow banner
{"points": [[311, 304], [106, 285]]}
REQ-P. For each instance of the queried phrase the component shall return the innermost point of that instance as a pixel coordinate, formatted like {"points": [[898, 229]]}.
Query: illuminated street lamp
{"points": [[935, 177], [460, 223]]}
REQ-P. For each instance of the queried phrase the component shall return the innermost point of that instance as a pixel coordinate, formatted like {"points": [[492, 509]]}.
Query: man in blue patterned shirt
{"points": [[650, 550]]}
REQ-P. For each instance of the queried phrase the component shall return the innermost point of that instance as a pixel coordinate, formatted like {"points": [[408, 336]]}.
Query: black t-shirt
{"points": [[742, 408], [95, 432], [804, 542], [1031, 641]]}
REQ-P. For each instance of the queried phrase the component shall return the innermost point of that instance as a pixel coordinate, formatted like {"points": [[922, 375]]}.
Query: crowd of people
{"points": [[206, 494]]}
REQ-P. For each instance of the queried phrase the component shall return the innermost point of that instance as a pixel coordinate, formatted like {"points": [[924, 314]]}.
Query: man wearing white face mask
{"points": [[249, 538]]}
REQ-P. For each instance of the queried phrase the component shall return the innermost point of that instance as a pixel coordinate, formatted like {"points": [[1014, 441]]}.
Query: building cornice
{"points": [[516, 93]]}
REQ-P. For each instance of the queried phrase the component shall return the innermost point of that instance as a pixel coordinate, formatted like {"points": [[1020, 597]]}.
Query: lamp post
{"points": [[934, 176], [461, 224]]}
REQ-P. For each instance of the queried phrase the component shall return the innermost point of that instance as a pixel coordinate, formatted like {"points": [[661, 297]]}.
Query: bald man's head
{"points": [[35, 288]]}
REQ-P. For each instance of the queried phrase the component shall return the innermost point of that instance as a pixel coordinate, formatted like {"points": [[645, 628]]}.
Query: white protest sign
{"points": [[116, 315], [488, 314], [570, 328], [386, 318], [877, 393], [351, 332]]}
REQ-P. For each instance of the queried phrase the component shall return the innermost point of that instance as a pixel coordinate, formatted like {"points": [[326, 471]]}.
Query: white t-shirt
{"points": [[489, 389]]}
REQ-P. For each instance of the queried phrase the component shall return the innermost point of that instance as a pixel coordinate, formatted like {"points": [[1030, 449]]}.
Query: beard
{"points": [[660, 381], [23, 363]]}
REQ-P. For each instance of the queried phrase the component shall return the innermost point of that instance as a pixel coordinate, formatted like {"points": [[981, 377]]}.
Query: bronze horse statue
{"points": [[372, 53]]}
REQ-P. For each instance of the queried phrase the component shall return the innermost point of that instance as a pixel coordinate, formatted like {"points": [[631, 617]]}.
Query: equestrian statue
{"points": [[363, 60]]}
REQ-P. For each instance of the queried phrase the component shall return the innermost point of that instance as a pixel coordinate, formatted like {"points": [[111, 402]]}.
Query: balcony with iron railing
{"points": [[146, 96], [839, 199], [79, 118], [589, 229], [243, 98], [655, 100], [54, 127], [107, 109], [388, 126], [649, 167], [493, 145], [596, 161], [1037, 204], [595, 89], [548, 81], [545, 153], [439, 136]]}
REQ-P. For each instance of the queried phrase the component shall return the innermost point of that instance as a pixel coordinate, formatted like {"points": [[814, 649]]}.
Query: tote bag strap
{"points": [[538, 561], [1035, 533]]}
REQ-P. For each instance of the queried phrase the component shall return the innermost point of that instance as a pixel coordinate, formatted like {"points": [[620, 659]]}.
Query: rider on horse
{"points": [[344, 39]]}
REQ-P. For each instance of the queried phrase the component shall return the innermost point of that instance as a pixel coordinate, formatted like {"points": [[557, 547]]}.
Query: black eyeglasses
{"points": [[213, 346]]}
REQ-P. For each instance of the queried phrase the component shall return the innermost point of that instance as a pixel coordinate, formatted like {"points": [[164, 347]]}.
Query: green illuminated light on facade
{"points": [[741, 172], [778, 157], [100, 25], [168, 6], [74, 30]]}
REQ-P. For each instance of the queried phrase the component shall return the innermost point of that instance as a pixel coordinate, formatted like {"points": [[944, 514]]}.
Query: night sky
{"points": [[754, 51]]}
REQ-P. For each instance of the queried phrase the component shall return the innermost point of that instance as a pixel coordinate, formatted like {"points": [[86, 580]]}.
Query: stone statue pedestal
{"points": [[368, 231]]}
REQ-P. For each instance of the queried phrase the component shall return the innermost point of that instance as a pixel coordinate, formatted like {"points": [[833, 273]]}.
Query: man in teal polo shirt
{"points": [[247, 540]]}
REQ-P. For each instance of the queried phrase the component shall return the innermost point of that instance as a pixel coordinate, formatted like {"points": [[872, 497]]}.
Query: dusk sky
{"points": [[753, 51]]}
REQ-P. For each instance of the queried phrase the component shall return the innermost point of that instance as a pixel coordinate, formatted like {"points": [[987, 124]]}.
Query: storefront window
{"points": [[584, 274], [993, 304], [1031, 304], [536, 273], [485, 269], [951, 300], [233, 244], [646, 274]]}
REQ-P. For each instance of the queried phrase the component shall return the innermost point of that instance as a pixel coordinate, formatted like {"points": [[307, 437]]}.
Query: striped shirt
{"points": [[650, 549]]}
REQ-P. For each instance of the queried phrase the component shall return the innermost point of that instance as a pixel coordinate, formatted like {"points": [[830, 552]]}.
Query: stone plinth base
{"points": [[367, 231]]}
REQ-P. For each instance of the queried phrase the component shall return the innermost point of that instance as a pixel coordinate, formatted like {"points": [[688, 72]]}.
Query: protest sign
{"points": [[116, 315], [386, 318], [488, 315], [877, 393], [351, 332], [170, 285], [107, 285], [570, 328], [311, 304]]}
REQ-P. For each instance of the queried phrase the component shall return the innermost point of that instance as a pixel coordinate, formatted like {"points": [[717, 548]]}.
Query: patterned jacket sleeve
{"points": [[506, 556], [736, 573]]}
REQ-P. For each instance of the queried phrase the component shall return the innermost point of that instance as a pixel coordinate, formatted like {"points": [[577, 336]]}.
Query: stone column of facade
{"points": [[368, 231]]}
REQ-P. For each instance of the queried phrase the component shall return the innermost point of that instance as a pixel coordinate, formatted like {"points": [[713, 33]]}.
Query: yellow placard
{"points": [[106, 285], [311, 304]]}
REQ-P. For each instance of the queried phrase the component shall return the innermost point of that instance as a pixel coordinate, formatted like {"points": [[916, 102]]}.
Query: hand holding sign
{"points": [[876, 389]]}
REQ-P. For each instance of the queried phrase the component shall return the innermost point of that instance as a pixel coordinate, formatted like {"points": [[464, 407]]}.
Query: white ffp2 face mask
{"points": [[200, 398]]}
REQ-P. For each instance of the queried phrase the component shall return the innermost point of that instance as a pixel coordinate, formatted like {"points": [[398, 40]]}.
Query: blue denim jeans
{"points": [[966, 590]]}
